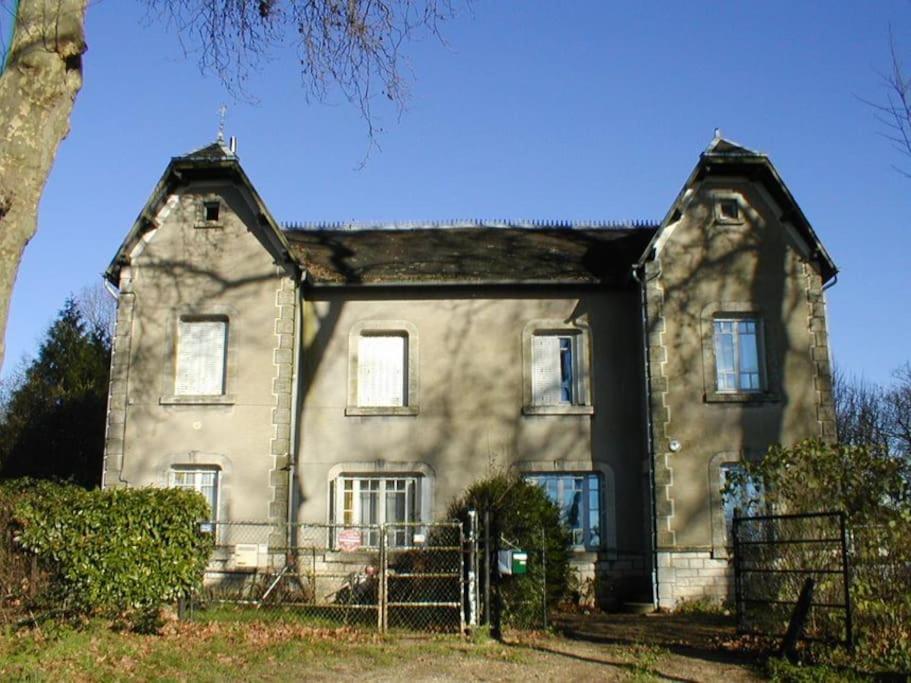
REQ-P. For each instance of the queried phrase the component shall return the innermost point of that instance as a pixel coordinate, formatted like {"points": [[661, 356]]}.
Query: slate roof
{"points": [[469, 252]]}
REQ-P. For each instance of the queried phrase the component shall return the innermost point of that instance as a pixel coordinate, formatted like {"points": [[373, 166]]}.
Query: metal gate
{"points": [[774, 555], [409, 576]]}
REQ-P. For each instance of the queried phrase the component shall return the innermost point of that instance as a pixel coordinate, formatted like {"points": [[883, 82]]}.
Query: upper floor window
{"points": [[201, 346], [578, 496], [556, 372], [382, 368], [738, 361], [209, 212], [201, 479], [728, 207]]}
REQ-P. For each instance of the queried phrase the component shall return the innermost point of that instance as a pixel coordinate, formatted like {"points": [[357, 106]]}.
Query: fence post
{"points": [[846, 574], [461, 580], [496, 624], [487, 551], [544, 576], [382, 586], [738, 594]]}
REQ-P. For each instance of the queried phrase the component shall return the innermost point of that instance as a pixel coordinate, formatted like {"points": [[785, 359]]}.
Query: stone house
{"points": [[351, 374]]}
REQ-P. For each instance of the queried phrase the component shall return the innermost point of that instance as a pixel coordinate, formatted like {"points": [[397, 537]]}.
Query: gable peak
{"points": [[721, 145]]}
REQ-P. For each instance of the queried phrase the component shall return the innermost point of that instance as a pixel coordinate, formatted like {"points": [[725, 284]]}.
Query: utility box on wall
{"points": [[512, 562]]}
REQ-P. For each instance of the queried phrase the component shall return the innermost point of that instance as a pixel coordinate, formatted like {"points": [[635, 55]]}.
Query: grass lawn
{"points": [[271, 650]]}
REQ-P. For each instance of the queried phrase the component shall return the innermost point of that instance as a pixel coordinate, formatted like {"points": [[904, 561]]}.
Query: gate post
{"points": [[738, 595], [472, 567], [846, 575]]}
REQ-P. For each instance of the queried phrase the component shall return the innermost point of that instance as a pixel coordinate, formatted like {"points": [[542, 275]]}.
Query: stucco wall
{"points": [[222, 269], [470, 420], [706, 267]]}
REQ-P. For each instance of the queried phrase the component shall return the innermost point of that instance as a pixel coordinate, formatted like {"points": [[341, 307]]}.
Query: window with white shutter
{"points": [[556, 371], [201, 346], [382, 370], [554, 374]]}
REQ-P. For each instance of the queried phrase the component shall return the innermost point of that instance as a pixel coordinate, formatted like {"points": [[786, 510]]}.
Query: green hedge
{"points": [[111, 551]]}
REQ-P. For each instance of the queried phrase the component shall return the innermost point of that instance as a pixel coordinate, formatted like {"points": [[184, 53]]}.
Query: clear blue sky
{"points": [[573, 110]]}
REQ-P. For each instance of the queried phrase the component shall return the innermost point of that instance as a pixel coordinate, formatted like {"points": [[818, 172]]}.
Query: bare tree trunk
{"points": [[38, 86]]}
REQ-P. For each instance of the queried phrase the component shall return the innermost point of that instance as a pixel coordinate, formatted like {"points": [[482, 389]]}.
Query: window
{"points": [[728, 207], [382, 368], [556, 372], [737, 355], [555, 375], [369, 501], [204, 480], [747, 498], [201, 348], [579, 497], [210, 211]]}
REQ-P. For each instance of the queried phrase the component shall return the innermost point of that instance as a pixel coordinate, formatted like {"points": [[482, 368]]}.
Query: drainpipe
{"points": [[295, 366], [649, 437]]}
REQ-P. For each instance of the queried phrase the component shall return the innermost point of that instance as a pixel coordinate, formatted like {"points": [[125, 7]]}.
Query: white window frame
{"points": [[578, 337], [197, 484], [737, 372], [346, 506], [183, 325], [410, 368], [581, 536], [722, 198]]}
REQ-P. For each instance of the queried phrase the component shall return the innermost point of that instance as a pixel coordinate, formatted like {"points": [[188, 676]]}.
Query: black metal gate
{"points": [[774, 555]]}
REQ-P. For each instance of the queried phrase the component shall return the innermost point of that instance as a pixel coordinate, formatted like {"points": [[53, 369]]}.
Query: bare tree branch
{"points": [[350, 46]]}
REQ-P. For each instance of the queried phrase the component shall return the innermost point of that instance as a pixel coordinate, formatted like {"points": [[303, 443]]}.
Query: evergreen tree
{"points": [[53, 425]]}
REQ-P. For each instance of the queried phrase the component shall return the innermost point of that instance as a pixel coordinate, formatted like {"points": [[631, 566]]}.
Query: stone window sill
{"points": [[221, 400], [741, 397], [558, 410], [367, 411]]}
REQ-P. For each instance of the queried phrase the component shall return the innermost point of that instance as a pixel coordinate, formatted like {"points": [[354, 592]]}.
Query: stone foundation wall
{"points": [[609, 581], [693, 575]]}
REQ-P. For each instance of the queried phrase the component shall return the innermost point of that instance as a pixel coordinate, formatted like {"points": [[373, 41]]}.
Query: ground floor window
{"points": [[740, 495], [579, 497], [201, 479], [370, 501]]}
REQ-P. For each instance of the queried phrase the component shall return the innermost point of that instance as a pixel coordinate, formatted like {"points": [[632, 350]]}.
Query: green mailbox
{"points": [[512, 562]]}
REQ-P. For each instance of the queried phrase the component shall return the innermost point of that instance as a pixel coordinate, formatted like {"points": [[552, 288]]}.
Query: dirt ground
{"points": [[591, 648]]}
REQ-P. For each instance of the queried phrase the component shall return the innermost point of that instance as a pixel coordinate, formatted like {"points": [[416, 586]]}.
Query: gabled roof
{"points": [[213, 161], [725, 157], [469, 252]]}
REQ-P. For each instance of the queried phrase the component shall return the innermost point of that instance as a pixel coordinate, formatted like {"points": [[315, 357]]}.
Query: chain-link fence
{"points": [[377, 576]]}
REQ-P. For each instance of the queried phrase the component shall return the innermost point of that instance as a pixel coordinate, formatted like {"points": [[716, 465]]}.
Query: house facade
{"points": [[362, 374]]}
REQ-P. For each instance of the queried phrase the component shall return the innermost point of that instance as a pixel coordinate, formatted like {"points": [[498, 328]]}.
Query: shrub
{"points": [[521, 511], [114, 551], [871, 486]]}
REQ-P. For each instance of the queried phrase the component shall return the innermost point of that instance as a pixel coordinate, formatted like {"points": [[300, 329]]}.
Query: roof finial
{"points": [[717, 133], [222, 110]]}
